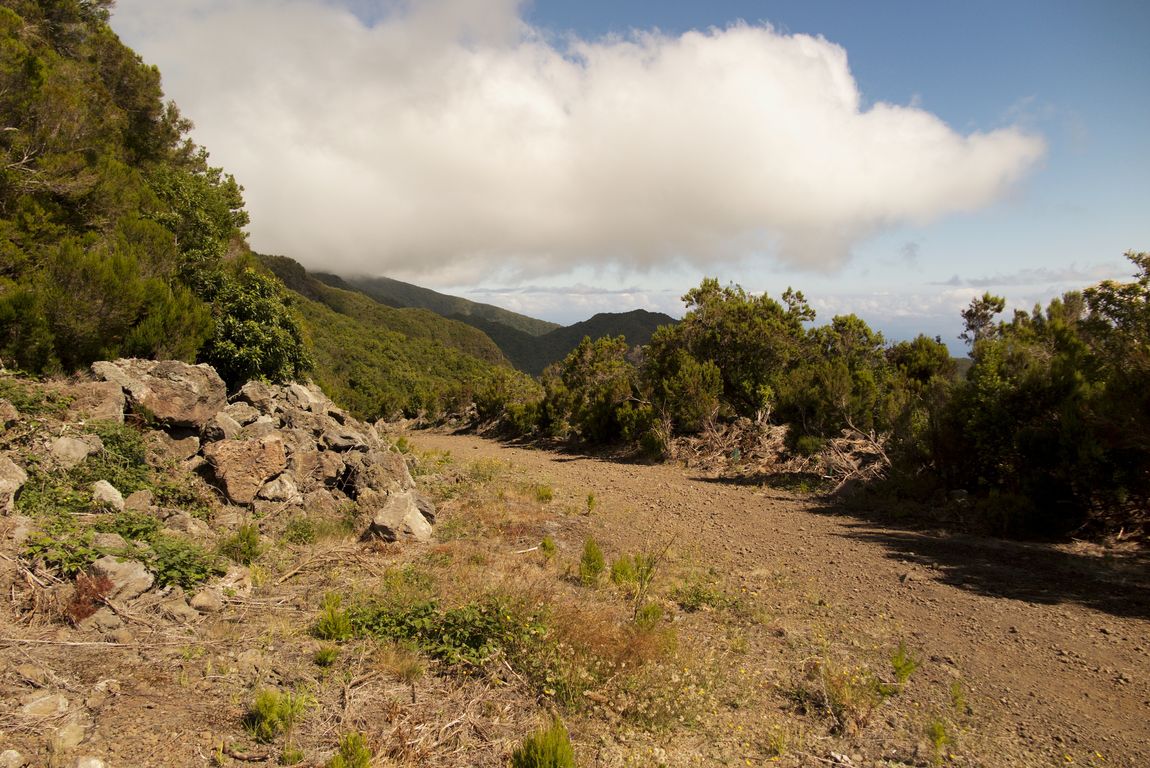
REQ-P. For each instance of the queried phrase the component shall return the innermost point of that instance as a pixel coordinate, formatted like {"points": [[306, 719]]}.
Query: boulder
{"points": [[377, 471], [10, 758], [399, 518], [176, 394], [8, 413], [221, 427], [140, 501], [241, 467], [426, 507], [173, 449], [106, 495], [305, 398], [109, 542], [129, 578], [243, 413], [12, 479], [282, 489], [261, 427], [259, 395], [70, 451], [99, 400]]}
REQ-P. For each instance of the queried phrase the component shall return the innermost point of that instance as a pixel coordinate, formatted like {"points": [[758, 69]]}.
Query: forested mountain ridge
{"points": [[396, 293]]}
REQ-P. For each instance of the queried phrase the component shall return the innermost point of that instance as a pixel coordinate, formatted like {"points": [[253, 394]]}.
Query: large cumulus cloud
{"points": [[450, 140]]}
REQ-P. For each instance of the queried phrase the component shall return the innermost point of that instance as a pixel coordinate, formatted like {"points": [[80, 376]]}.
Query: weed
{"points": [[402, 445], [592, 563], [243, 546], [62, 545], [548, 548], [291, 756], [353, 751], [484, 470], [649, 616], [176, 560], [132, 526], [591, 503], [401, 662], [903, 664], [548, 747], [697, 595], [273, 713], [848, 695], [333, 622], [32, 400], [544, 494], [87, 596], [326, 655], [939, 737], [300, 530], [958, 701], [777, 741]]}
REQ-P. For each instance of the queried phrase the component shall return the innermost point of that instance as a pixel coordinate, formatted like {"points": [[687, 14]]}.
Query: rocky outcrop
{"points": [[241, 467], [169, 392], [12, 479]]}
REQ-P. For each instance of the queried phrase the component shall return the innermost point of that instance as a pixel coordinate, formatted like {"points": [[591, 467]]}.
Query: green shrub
{"points": [[176, 560], [333, 622], [592, 563], [548, 547], [273, 713], [903, 664], [353, 752], [243, 546], [326, 655], [548, 747], [300, 530], [62, 545], [133, 526]]}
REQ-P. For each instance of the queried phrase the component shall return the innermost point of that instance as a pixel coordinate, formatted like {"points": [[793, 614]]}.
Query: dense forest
{"points": [[119, 238]]}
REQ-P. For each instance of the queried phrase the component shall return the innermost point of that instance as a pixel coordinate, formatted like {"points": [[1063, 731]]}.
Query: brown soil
{"points": [[1047, 648], [1050, 643]]}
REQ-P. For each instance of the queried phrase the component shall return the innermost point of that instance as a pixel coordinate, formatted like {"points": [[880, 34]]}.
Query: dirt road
{"points": [[1052, 644]]}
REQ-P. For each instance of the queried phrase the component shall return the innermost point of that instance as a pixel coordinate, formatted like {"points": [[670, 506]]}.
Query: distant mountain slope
{"points": [[380, 361], [395, 293], [636, 326], [412, 322]]}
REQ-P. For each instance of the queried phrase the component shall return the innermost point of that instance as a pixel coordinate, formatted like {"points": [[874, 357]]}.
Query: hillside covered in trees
{"points": [[119, 239]]}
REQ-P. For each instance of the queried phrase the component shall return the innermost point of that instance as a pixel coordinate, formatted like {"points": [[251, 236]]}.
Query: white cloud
{"points": [[450, 141]]}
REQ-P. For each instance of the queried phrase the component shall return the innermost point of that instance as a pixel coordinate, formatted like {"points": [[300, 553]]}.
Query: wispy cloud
{"points": [[449, 140], [1042, 276]]}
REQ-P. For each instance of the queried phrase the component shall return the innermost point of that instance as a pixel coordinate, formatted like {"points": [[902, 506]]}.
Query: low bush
{"points": [[548, 747]]}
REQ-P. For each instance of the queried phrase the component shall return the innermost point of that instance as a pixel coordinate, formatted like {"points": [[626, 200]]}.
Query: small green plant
{"points": [[548, 747], [903, 664], [300, 530], [649, 616], [353, 752], [697, 595], [291, 756], [958, 701], [548, 547], [402, 445], [939, 737], [243, 546], [591, 564], [62, 545], [333, 622], [544, 494], [176, 560], [274, 713], [132, 526], [591, 503], [326, 655]]}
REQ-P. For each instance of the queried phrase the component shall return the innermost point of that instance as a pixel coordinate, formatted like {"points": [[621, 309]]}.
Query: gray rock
{"points": [[321, 503], [172, 449], [242, 413], [181, 521], [221, 427], [70, 451], [140, 501], [129, 577], [90, 761], [399, 518], [103, 620], [304, 398], [12, 479], [102, 400], [343, 439], [261, 427], [121, 636], [426, 507], [259, 395], [281, 489], [70, 734], [106, 495], [8, 413], [207, 601], [174, 393], [109, 542], [10, 758], [40, 704], [241, 467], [22, 528], [177, 607]]}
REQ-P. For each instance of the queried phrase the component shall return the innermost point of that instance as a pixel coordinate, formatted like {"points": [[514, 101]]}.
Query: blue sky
{"points": [[565, 158]]}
